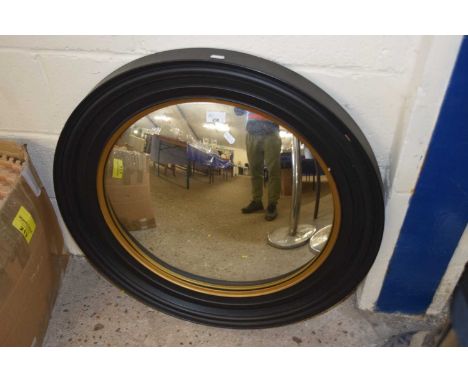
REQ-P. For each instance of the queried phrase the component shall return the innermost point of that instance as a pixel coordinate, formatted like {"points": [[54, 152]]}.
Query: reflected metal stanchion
{"points": [[296, 234], [319, 239]]}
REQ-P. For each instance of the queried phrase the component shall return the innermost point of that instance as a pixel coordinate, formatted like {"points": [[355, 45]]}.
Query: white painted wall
{"points": [[391, 85]]}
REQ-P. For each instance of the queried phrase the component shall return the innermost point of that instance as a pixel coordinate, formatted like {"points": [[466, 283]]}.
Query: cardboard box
{"points": [[32, 255], [127, 188]]}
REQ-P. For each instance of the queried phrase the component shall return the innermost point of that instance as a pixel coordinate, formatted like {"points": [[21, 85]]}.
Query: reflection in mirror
{"points": [[205, 188]]}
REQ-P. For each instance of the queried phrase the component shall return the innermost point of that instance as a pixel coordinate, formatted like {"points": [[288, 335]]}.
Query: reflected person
{"points": [[263, 149]]}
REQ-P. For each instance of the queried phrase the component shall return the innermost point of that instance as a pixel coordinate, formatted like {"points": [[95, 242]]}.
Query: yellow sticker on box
{"points": [[24, 222], [117, 169]]}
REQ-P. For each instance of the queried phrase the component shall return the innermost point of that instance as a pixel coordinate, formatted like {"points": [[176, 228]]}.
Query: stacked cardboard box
{"points": [[32, 255]]}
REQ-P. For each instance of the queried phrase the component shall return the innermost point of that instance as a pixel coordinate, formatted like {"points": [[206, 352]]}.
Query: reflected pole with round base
{"points": [[295, 235]]}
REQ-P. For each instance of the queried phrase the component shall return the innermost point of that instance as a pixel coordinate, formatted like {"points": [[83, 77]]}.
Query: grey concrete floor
{"points": [[90, 311], [201, 231]]}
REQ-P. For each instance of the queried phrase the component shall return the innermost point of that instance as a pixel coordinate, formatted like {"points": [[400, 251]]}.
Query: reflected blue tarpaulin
{"points": [[165, 150], [206, 158]]}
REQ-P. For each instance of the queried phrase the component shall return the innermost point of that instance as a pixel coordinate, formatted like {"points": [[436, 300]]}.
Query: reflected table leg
{"points": [[188, 174], [317, 195]]}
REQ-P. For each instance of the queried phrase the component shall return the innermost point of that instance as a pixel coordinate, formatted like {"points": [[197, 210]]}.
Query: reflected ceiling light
{"points": [[218, 126], [223, 127], [161, 117], [209, 126], [285, 134]]}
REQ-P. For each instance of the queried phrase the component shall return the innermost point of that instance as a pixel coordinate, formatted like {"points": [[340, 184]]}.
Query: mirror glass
{"points": [[220, 193]]}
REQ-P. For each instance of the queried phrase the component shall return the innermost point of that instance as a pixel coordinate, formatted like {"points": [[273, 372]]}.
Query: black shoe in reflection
{"points": [[271, 212], [254, 206]]}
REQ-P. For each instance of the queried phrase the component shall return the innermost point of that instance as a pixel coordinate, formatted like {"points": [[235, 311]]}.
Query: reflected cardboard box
{"points": [[32, 254], [127, 187], [286, 181]]}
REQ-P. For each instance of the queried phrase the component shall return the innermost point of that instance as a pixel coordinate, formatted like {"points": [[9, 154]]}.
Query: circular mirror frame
{"points": [[202, 74]]}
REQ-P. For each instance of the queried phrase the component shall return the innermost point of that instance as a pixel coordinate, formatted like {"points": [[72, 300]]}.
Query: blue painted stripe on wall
{"points": [[438, 210]]}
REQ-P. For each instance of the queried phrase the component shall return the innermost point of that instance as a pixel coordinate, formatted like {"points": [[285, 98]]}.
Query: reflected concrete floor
{"points": [[202, 230], [90, 311]]}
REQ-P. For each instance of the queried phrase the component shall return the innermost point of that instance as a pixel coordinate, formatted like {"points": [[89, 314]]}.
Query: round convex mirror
{"points": [[221, 188], [205, 190]]}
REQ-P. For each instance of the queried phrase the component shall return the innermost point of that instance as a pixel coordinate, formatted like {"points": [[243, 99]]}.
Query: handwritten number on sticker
{"points": [[24, 223]]}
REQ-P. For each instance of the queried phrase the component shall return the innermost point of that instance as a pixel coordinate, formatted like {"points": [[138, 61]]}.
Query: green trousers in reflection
{"points": [[264, 149]]}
